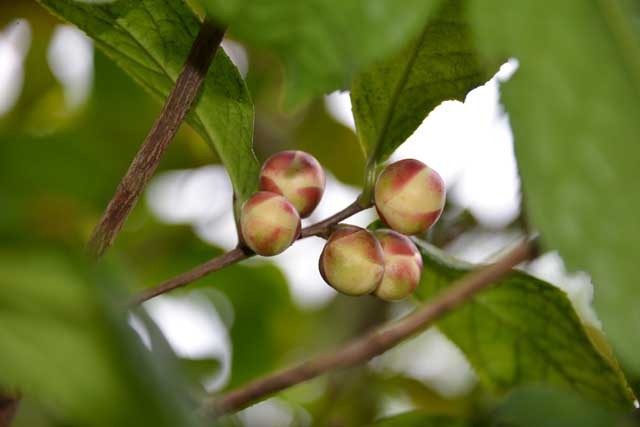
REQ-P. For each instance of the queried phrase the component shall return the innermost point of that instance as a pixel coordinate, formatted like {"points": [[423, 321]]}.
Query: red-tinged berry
{"points": [[269, 223], [297, 176], [409, 196], [352, 261], [402, 266]]}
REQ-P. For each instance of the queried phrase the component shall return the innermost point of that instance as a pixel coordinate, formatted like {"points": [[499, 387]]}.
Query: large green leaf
{"points": [[322, 42], [574, 106], [65, 347], [391, 98], [150, 40], [523, 331]]}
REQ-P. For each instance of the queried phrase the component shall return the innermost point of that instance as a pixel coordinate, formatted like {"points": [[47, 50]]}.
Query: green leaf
{"points": [[428, 401], [523, 331], [261, 333], [574, 105], [321, 136], [65, 347], [392, 98], [322, 42], [420, 419], [525, 407], [537, 406], [150, 40], [199, 370]]}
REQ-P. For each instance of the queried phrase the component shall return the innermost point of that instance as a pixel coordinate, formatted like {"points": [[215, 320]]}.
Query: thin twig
{"points": [[324, 226], [183, 279], [164, 129], [364, 348], [319, 229]]}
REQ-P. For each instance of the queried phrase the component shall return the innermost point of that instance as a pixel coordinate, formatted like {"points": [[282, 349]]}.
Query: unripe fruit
{"points": [[402, 266], [269, 223], [352, 261], [297, 176], [409, 196]]}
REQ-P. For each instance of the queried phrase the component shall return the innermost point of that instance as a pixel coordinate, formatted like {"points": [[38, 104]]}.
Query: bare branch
{"points": [[164, 129], [183, 279], [321, 228], [375, 343]]}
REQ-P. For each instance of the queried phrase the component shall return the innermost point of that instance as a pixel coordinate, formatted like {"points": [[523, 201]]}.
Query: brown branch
{"points": [[164, 129], [364, 348], [8, 408], [184, 279], [321, 228]]}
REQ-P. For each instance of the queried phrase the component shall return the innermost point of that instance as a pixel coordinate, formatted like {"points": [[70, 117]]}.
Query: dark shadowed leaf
{"points": [[322, 42]]}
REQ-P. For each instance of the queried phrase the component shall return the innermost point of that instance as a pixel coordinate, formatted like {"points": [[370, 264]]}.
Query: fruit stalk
{"points": [[235, 255]]}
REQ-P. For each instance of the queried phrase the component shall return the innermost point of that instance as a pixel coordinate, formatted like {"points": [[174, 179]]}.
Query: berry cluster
{"points": [[408, 196]]}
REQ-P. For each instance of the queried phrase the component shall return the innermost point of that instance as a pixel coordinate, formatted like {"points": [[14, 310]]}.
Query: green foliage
{"points": [[321, 136], [419, 419], [523, 331], [260, 333], [150, 40], [68, 351], [574, 108], [391, 98], [322, 42], [57, 181], [257, 331], [532, 406], [574, 105], [429, 402], [64, 345], [536, 406]]}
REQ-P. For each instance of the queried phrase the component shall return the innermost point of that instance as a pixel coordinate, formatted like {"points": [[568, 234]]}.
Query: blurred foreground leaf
{"points": [[574, 105], [322, 42], [150, 40], [64, 346], [392, 98], [523, 331]]}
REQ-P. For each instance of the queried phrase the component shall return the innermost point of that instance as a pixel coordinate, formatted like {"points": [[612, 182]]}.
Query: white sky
{"points": [[70, 58], [15, 40], [69, 55]]}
